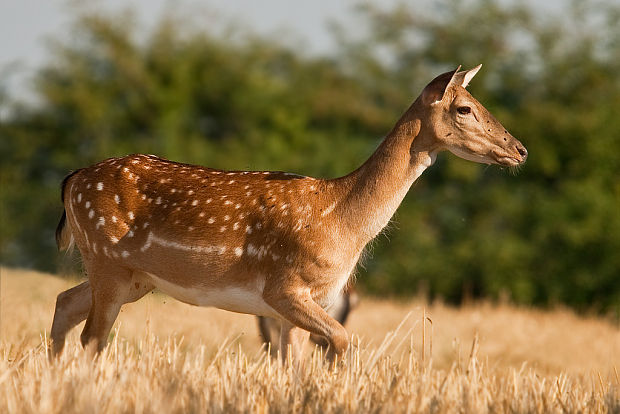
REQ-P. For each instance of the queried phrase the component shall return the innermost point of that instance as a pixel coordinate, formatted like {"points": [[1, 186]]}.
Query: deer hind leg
{"points": [[302, 311], [72, 307], [111, 288]]}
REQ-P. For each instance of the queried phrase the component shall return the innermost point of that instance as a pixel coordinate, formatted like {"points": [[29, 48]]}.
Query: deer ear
{"points": [[463, 78], [436, 89]]}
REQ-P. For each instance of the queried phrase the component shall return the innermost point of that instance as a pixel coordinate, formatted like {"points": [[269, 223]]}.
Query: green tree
{"points": [[548, 234]]}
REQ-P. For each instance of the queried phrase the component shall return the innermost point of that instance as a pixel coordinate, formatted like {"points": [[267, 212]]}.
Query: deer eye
{"points": [[463, 110]]}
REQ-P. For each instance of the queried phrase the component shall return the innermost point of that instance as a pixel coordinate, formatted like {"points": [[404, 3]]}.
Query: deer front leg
{"points": [[297, 306], [268, 329]]}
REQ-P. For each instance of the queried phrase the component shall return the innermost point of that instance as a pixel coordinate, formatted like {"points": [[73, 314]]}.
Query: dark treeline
{"points": [[547, 234]]}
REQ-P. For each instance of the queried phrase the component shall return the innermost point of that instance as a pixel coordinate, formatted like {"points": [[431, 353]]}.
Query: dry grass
{"points": [[169, 357]]}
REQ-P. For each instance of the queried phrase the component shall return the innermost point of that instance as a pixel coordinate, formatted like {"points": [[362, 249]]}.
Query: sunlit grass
{"points": [[168, 357]]}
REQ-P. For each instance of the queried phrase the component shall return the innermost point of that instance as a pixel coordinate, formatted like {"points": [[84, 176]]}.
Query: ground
{"points": [[481, 357]]}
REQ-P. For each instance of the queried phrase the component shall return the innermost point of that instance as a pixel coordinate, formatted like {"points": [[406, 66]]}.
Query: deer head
{"points": [[457, 122]]}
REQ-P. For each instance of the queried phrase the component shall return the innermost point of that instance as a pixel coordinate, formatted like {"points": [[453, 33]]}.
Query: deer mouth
{"points": [[494, 156], [509, 161], [502, 158]]}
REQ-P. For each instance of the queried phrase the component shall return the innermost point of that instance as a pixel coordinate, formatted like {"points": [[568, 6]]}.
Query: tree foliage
{"points": [[547, 234]]}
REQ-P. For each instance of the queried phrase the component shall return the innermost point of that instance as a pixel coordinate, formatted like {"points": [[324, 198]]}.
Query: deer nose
{"points": [[522, 151]]}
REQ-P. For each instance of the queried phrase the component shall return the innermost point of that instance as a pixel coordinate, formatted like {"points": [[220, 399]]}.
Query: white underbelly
{"points": [[243, 299]]}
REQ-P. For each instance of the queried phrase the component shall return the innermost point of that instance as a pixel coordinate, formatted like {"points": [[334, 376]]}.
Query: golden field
{"points": [[166, 356]]}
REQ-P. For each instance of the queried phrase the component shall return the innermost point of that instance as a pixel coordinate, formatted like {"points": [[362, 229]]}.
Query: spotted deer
{"points": [[265, 243]]}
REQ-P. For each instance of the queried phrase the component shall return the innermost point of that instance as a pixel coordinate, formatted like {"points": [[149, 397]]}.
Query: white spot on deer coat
{"points": [[100, 223], [117, 199], [125, 254], [238, 251], [329, 209], [87, 204], [130, 215], [79, 198], [91, 214], [298, 225]]}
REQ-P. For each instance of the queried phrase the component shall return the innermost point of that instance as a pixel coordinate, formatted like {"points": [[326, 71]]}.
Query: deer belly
{"points": [[236, 298]]}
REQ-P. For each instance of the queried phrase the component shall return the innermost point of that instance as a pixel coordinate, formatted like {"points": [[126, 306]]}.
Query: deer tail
{"points": [[64, 236]]}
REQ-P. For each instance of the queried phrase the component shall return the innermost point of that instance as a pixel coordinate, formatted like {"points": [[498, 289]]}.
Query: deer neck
{"points": [[372, 193]]}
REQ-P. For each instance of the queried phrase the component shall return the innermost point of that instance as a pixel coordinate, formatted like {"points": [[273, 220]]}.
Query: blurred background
{"points": [[312, 88]]}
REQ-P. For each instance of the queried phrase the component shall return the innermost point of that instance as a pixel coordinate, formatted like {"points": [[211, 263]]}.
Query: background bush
{"points": [[548, 234]]}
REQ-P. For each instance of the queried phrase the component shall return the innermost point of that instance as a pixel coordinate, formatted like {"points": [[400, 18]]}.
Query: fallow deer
{"points": [[265, 243]]}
